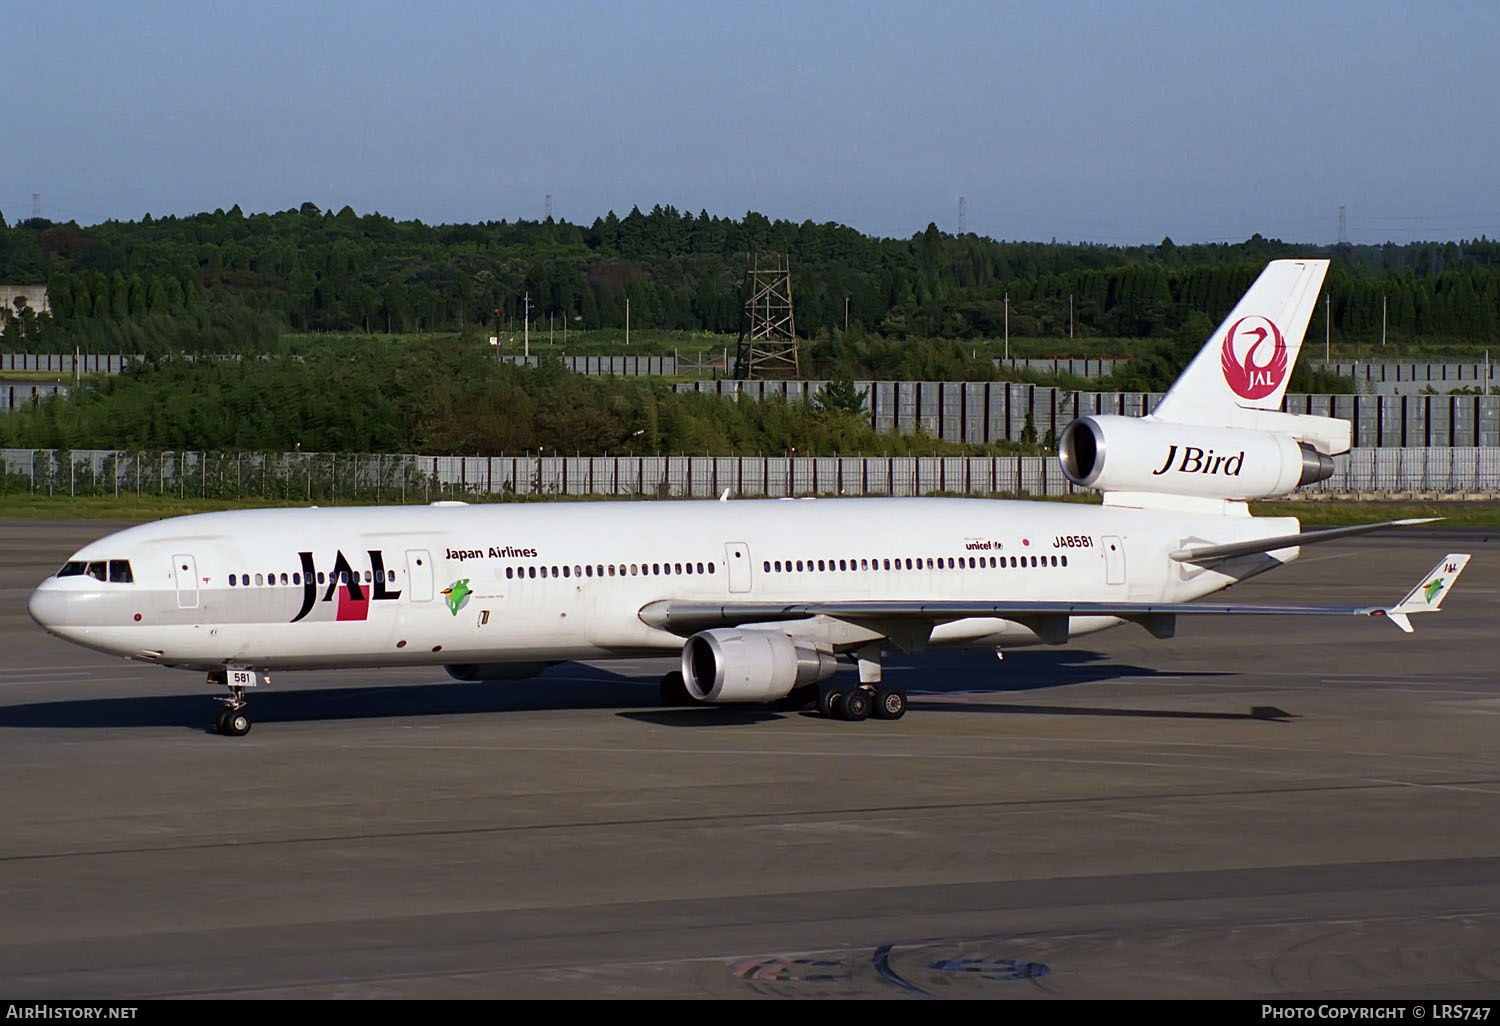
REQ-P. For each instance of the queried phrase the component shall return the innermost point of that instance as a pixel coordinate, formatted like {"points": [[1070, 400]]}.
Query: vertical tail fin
{"points": [[1247, 362]]}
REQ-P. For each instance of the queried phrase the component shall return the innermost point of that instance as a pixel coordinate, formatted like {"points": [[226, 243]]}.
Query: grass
{"points": [[1339, 513], [63, 377]]}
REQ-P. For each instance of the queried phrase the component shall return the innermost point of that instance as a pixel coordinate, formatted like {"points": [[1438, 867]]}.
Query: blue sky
{"points": [[1081, 121]]}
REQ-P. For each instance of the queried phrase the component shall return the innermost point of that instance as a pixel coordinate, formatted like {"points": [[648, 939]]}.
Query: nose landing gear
{"points": [[234, 721]]}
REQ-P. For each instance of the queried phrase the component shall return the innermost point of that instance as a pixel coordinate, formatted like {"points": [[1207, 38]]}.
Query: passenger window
{"points": [[655, 569], [283, 578], [531, 572], [588, 571], [321, 578], [296, 578], [258, 579], [390, 576], [1065, 561], [710, 568], [677, 568], [119, 571], [510, 572], [231, 580]]}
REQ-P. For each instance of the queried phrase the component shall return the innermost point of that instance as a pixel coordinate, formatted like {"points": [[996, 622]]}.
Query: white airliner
{"points": [[760, 597]]}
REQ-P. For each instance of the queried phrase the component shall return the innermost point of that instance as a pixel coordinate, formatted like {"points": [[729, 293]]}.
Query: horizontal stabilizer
{"points": [[1214, 553]]}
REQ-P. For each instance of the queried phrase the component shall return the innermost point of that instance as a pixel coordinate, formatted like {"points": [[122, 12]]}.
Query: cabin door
{"points": [[419, 574], [1114, 559], [185, 573], [737, 556]]}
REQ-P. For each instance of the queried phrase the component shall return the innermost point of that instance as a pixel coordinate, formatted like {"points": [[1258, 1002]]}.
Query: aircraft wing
{"points": [[1213, 553], [686, 618]]}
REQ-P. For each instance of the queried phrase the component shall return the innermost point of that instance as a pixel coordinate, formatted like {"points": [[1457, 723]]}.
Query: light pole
{"points": [[526, 328]]}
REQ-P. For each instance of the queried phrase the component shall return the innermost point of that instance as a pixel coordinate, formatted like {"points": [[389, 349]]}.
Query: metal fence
{"points": [[986, 412], [66, 363], [1078, 367], [1393, 378], [364, 478]]}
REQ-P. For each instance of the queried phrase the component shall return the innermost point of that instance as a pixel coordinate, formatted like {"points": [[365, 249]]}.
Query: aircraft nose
{"points": [[49, 606]]}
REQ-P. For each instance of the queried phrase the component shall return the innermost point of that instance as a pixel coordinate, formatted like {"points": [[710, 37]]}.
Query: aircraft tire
{"points": [[856, 705], [890, 704], [234, 723], [831, 702]]}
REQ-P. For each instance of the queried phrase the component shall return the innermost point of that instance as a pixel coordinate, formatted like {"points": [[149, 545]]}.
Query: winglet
{"points": [[1428, 596]]}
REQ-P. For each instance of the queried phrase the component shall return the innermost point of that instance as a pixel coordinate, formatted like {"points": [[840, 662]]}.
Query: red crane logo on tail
{"points": [[1249, 378]]}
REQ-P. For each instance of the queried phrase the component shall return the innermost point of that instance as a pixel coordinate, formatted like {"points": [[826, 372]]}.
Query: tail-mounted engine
{"points": [[730, 665], [1131, 454]]}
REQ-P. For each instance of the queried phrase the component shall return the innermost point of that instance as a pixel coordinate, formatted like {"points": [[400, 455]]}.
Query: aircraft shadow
{"points": [[197, 711], [577, 686], [954, 671]]}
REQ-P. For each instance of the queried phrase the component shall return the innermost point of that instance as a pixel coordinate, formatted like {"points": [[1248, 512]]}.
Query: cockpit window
{"points": [[116, 571]]}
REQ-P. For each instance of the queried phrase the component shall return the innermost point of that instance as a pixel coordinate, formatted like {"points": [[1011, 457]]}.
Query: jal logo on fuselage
{"points": [[1195, 461], [344, 581]]}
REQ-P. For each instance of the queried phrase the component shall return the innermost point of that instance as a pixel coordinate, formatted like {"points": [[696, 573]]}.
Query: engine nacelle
{"points": [[731, 665], [471, 673], [1133, 454]]}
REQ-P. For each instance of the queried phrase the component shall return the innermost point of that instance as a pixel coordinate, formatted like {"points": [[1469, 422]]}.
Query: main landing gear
{"points": [[871, 697], [234, 721]]}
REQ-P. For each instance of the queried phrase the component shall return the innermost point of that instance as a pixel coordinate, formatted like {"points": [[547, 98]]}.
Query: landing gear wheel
{"points": [[673, 690], [890, 703], [831, 702], [856, 705], [219, 724], [234, 723]]}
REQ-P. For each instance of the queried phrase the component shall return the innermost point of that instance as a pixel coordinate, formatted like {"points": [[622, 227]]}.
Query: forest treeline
{"points": [[230, 282], [440, 396]]}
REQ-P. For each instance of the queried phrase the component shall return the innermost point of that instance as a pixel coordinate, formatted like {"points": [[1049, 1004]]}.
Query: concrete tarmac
{"points": [[1266, 808]]}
